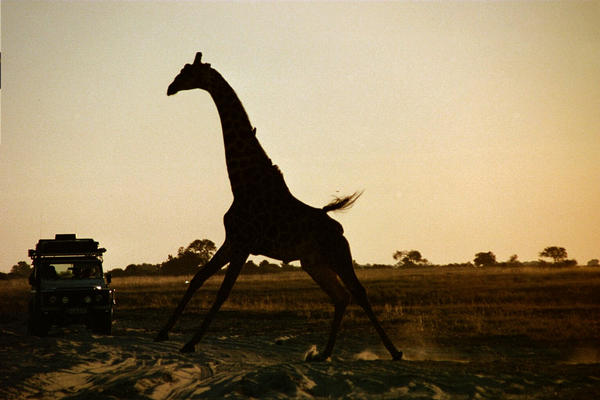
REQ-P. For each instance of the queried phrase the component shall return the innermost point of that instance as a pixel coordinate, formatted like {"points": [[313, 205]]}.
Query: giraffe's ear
{"points": [[198, 59]]}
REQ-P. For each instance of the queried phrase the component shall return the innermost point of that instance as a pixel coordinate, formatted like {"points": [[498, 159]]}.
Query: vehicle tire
{"points": [[38, 325], [103, 324]]}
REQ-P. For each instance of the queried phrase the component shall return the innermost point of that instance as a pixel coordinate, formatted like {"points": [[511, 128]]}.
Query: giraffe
{"points": [[266, 219]]}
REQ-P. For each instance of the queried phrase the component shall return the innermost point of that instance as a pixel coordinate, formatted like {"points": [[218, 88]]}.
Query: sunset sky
{"points": [[470, 126]]}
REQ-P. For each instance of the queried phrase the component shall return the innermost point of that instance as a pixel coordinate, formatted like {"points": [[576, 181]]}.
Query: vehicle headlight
{"points": [[52, 299], [65, 300], [87, 299]]}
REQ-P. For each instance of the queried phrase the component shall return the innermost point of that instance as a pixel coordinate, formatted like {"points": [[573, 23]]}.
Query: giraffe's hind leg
{"points": [[233, 271], [327, 280], [220, 258], [345, 270], [360, 296]]}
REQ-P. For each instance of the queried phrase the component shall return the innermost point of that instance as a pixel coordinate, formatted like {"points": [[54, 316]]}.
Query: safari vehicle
{"points": [[68, 285]]}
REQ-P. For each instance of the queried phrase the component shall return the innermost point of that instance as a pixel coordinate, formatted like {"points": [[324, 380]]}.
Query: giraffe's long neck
{"points": [[248, 165]]}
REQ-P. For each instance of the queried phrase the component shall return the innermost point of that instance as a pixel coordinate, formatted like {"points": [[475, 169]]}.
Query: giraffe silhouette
{"points": [[266, 219]]}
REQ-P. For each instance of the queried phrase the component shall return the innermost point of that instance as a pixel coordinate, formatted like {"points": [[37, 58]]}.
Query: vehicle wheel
{"points": [[38, 325], [103, 324]]}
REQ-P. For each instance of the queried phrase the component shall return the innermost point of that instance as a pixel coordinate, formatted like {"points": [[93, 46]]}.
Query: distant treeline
{"points": [[189, 259], [199, 252], [265, 267], [250, 267]]}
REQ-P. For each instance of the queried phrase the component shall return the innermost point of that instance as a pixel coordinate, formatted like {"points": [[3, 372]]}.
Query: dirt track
{"points": [[255, 358]]}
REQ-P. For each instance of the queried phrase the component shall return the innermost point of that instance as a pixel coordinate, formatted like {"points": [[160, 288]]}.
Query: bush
{"points": [[484, 259]]}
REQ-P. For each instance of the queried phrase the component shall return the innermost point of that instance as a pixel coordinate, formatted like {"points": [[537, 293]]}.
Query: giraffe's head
{"points": [[193, 76]]}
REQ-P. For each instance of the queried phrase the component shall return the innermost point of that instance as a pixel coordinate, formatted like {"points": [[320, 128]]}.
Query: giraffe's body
{"points": [[266, 219]]}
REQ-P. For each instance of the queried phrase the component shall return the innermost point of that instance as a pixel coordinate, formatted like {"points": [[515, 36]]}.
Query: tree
{"points": [[513, 261], [140, 269], [266, 267], [204, 249], [406, 258], [594, 262], [484, 259], [187, 261], [21, 269], [558, 254], [288, 267], [117, 272], [249, 267]]}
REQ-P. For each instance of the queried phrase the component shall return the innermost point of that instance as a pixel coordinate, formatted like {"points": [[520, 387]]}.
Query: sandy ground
{"points": [[257, 358]]}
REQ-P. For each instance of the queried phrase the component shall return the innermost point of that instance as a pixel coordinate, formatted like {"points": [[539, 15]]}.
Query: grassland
{"points": [[439, 303], [465, 332]]}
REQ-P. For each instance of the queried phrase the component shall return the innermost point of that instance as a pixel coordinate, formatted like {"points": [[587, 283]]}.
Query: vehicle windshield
{"points": [[76, 270]]}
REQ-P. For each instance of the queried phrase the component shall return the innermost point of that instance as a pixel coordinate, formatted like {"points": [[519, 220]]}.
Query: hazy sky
{"points": [[471, 126]]}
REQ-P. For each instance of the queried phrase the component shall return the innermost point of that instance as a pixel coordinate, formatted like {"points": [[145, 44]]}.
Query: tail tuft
{"points": [[342, 203]]}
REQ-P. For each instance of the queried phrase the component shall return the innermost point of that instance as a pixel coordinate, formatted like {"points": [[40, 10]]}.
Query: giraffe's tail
{"points": [[342, 203]]}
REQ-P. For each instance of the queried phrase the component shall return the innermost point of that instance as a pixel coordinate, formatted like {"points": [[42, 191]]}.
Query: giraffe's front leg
{"points": [[233, 271], [220, 258]]}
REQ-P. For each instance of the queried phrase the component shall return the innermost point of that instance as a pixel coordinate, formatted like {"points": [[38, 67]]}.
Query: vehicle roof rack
{"points": [[66, 244]]}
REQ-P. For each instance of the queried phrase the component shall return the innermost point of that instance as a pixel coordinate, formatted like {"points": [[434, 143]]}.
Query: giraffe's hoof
{"points": [[188, 348], [397, 356], [315, 357], [161, 337]]}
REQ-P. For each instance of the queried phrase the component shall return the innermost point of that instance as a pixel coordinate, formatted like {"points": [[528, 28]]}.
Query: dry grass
{"points": [[542, 304]]}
